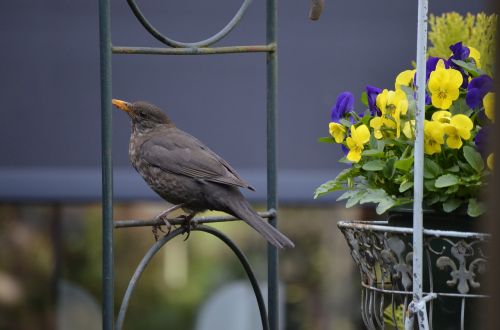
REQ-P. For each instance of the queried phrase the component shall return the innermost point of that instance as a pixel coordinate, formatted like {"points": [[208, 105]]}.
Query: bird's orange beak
{"points": [[122, 105]]}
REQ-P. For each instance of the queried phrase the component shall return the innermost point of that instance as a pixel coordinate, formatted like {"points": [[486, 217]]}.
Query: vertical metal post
{"points": [[106, 161], [418, 302], [272, 200]]}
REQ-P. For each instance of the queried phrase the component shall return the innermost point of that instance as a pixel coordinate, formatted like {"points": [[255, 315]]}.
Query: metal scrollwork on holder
{"points": [[384, 255]]}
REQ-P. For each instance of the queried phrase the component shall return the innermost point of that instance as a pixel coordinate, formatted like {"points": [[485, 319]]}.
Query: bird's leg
{"points": [[163, 216], [187, 223]]}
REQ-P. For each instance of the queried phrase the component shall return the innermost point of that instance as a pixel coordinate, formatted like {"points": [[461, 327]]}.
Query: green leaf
{"points": [[454, 169], [469, 67], [345, 122], [431, 169], [430, 185], [385, 205], [446, 180], [326, 139], [475, 208], [460, 107], [347, 194], [405, 186], [339, 183], [327, 187], [432, 200], [374, 196], [372, 153], [374, 165], [451, 204], [389, 168], [473, 158], [364, 98], [404, 164]]}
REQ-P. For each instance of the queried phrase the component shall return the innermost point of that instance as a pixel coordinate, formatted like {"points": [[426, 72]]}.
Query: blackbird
{"points": [[186, 173]]}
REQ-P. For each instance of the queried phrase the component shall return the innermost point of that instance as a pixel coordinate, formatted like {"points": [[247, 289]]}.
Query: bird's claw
{"points": [[188, 224], [158, 226]]}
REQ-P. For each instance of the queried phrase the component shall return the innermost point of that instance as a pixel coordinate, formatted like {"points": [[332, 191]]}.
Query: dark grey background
{"points": [[50, 123]]}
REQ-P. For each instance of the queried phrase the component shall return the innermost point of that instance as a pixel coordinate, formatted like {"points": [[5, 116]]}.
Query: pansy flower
{"points": [[457, 130], [433, 137], [372, 93], [444, 86], [356, 142], [489, 106], [343, 105], [477, 90], [481, 140]]}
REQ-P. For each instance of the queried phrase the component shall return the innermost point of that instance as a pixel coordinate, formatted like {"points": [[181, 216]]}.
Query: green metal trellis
{"points": [[181, 48]]}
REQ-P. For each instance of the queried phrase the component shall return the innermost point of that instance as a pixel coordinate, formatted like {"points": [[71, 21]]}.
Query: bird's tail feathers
{"points": [[244, 211]]}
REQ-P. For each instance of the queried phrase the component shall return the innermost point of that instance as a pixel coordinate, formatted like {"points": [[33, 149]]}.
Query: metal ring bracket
{"points": [[179, 231], [178, 44]]}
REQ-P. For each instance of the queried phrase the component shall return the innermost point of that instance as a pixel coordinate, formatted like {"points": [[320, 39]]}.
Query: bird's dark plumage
{"points": [[182, 170]]}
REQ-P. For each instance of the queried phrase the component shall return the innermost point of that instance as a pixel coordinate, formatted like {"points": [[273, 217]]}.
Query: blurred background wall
{"points": [[50, 151]]}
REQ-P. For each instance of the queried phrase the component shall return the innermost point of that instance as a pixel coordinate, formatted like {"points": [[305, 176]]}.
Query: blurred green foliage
{"points": [[478, 31], [181, 276]]}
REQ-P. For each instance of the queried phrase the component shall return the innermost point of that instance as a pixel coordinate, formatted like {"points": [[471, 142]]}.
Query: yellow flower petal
{"points": [[433, 137], [361, 134], [409, 129], [337, 131], [376, 124], [476, 56], [490, 161], [489, 106], [463, 124], [405, 78], [442, 116]]}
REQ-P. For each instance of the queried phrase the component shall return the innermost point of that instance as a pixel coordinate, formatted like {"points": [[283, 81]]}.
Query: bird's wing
{"points": [[178, 152]]}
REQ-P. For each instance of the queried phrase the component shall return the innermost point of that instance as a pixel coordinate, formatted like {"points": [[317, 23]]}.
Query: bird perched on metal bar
{"points": [[186, 173]]}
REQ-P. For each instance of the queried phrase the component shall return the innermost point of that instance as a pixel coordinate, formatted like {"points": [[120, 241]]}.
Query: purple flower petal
{"points": [[343, 105], [477, 89], [431, 66], [371, 93], [481, 140], [459, 52], [345, 150]]}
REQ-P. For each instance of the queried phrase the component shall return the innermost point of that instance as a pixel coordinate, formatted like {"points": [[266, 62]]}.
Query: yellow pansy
{"points": [[405, 78], [337, 131], [443, 85], [433, 137], [356, 142], [490, 161], [392, 105], [489, 106], [409, 129], [442, 116], [376, 123], [476, 56], [457, 130]]}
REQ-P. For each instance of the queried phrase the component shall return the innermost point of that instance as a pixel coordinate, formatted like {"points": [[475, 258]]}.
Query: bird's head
{"points": [[145, 116]]}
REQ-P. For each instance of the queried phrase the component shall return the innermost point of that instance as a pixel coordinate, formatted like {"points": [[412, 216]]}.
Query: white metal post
{"points": [[418, 304]]}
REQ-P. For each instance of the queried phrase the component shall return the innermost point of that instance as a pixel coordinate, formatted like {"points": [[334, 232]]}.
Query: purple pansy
{"points": [[477, 89], [460, 53], [371, 93], [481, 140], [343, 105], [345, 150]]}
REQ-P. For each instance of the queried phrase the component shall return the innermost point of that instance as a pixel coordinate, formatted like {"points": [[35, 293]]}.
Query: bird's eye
{"points": [[142, 114]]}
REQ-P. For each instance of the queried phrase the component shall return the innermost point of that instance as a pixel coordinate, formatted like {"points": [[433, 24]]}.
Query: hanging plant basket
{"points": [[454, 266]]}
